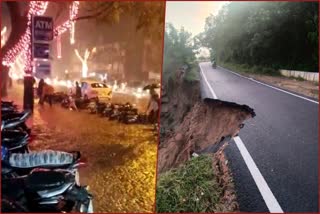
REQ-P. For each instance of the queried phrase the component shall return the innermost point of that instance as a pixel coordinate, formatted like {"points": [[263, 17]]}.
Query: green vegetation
{"points": [[245, 68], [179, 51], [190, 188], [267, 34], [297, 78], [192, 75]]}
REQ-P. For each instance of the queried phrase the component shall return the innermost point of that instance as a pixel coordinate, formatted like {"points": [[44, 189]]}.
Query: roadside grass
{"points": [[297, 78], [245, 68], [192, 187]]}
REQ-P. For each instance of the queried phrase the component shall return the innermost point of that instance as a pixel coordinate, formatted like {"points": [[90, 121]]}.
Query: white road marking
{"points": [[261, 183], [205, 79], [270, 86]]}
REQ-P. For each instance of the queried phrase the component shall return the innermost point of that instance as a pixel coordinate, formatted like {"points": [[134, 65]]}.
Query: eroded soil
{"points": [[190, 125]]}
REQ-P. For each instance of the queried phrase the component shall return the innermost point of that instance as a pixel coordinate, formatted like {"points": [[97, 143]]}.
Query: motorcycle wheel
{"points": [[85, 208]]}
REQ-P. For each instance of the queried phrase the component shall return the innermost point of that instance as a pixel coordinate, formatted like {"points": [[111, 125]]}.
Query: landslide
{"points": [[189, 127]]}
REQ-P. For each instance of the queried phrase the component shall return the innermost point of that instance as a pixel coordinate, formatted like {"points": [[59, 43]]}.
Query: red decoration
{"points": [[23, 47]]}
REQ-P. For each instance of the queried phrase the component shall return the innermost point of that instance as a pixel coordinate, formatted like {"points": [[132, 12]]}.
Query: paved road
{"points": [[282, 140]]}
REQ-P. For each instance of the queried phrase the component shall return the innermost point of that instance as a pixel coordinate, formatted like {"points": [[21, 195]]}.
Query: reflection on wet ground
{"points": [[121, 158]]}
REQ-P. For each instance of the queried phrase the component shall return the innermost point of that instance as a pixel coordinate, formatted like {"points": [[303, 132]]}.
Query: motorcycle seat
{"points": [[42, 159], [7, 102], [47, 180]]}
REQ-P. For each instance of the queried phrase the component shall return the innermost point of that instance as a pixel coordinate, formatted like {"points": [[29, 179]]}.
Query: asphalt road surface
{"points": [[282, 141]]}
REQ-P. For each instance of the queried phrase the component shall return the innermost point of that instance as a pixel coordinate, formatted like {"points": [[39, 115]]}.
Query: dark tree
{"points": [[267, 34]]}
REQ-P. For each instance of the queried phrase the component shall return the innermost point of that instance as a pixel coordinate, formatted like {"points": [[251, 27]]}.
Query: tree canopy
{"points": [[179, 49], [270, 34], [149, 15]]}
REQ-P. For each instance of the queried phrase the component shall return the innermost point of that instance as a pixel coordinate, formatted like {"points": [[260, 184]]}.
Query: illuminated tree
{"points": [[3, 32], [84, 60]]}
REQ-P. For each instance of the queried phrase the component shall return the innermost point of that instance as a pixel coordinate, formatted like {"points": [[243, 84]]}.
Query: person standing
{"points": [[78, 91], [40, 90], [47, 93], [153, 107]]}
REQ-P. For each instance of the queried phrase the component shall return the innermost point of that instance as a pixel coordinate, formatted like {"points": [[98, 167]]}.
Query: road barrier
{"points": [[311, 76]]}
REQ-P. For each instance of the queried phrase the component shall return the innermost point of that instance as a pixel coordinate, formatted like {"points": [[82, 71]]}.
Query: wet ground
{"points": [[121, 158]]}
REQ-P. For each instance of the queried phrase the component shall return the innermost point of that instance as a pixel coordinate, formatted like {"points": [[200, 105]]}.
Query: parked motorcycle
{"points": [[13, 118], [19, 164], [107, 112], [44, 181], [15, 141], [115, 113], [45, 191], [128, 114]]}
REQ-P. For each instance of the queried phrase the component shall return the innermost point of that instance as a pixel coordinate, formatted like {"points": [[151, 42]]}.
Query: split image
{"points": [[239, 108], [80, 101], [159, 107]]}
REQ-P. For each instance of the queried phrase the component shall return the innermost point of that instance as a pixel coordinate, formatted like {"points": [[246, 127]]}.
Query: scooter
{"points": [[45, 191], [19, 164], [16, 120]]}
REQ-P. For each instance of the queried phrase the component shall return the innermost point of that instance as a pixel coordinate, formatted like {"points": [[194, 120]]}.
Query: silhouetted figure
{"points": [[40, 90], [78, 91], [47, 93], [153, 107]]}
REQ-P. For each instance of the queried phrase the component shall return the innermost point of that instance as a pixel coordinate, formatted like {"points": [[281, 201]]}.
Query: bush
{"points": [[256, 69], [271, 72], [299, 78], [244, 66]]}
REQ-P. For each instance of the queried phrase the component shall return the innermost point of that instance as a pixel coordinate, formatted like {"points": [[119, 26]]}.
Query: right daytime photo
{"points": [[239, 108]]}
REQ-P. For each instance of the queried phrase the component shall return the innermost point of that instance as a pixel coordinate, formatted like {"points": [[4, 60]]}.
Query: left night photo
{"points": [[80, 91]]}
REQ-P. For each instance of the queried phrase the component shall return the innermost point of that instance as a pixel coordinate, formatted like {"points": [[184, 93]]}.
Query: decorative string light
{"points": [[35, 8], [3, 31], [23, 46], [73, 12], [59, 47], [72, 29], [66, 25], [3, 35]]}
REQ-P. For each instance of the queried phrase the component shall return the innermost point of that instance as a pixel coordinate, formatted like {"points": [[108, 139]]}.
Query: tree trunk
{"points": [[18, 27]]}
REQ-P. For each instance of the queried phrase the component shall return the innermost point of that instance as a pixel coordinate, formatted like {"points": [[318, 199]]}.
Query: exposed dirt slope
{"points": [[177, 99], [189, 124], [207, 123]]}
